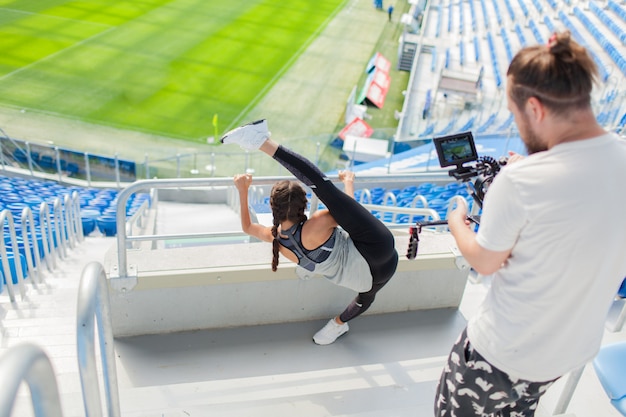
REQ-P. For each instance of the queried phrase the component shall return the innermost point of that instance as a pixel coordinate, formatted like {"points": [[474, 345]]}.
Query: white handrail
{"points": [[93, 306], [49, 251], [7, 216], [68, 218], [33, 270], [568, 390], [75, 202], [29, 363], [122, 198], [59, 228]]}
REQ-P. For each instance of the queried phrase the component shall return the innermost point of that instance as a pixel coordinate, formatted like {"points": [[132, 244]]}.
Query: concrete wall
{"points": [[186, 289]]}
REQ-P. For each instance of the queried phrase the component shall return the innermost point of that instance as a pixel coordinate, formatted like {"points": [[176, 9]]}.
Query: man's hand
{"points": [[484, 261], [514, 157], [458, 217]]}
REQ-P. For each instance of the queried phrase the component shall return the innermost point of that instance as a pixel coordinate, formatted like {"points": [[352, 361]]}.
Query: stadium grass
{"points": [[159, 66]]}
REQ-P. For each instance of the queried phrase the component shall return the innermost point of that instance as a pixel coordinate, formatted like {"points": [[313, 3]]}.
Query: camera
{"points": [[458, 150]]}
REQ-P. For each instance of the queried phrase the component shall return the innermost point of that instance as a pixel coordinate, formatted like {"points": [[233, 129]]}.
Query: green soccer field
{"points": [[159, 66]]}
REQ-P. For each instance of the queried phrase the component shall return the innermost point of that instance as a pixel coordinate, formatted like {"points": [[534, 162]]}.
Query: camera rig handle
{"points": [[414, 232]]}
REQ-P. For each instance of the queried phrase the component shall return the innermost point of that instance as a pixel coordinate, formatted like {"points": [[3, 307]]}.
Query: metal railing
{"points": [[123, 239], [7, 217], [29, 363], [58, 230], [34, 268], [568, 390], [47, 229], [94, 310]]}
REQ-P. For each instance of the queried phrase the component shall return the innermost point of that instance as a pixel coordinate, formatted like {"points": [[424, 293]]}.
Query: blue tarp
{"points": [[424, 158]]}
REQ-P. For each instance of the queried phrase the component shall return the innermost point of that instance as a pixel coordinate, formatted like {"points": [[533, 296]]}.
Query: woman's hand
{"points": [[347, 177], [242, 181]]}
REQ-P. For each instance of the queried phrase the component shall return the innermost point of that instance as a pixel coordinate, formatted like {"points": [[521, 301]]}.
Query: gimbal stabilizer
{"points": [[456, 150]]}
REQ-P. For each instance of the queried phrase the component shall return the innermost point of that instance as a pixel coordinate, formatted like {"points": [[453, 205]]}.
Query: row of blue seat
{"points": [[608, 21], [19, 196], [462, 52], [497, 10], [450, 17], [439, 20], [604, 73], [473, 15], [608, 47], [538, 6], [553, 4], [507, 45], [94, 203], [520, 35], [535, 31], [438, 198], [609, 97], [487, 124], [486, 18], [610, 116], [509, 8], [494, 60], [476, 49], [461, 18], [617, 9]]}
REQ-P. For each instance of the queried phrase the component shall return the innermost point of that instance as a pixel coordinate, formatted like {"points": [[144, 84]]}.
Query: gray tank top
{"points": [[345, 266]]}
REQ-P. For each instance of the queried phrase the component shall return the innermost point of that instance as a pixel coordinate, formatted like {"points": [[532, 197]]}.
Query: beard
{"points": [[531, 140]]}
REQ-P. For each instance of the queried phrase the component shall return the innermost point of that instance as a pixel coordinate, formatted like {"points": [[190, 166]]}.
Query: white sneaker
{"points": [[250, 136], [330, 332]]}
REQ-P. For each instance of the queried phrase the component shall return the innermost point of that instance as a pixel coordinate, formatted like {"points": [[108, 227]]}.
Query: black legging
{"points": [[370, 236]]}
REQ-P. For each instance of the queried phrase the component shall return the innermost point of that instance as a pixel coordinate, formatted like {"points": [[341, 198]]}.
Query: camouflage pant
{"points": [[471, 386]]}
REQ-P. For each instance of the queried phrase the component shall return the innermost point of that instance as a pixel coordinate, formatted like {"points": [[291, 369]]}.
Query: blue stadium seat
{"points": [[610, 366], [486, 17], [536, 33], [520, 35], [13, 268], [483, 128], [494, 60], [507, 44], [107, 225], [622, 290], [476, 49], [617, 9]]}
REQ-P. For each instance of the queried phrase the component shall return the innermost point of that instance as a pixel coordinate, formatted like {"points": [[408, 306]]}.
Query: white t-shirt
{"points": [[563, 213]]}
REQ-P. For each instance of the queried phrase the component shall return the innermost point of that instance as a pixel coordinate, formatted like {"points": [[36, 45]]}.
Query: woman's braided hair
{"points": [[288, 202]]}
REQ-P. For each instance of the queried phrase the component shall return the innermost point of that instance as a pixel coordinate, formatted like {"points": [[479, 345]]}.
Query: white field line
{"points": [[285, 67], [53, 17]]}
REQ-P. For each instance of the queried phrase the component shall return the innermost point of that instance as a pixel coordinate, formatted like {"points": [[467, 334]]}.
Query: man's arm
{"points": [[484, 261]]}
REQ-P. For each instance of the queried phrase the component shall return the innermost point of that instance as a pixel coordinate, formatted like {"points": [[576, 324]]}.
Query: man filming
{"points": [[552, 233]]}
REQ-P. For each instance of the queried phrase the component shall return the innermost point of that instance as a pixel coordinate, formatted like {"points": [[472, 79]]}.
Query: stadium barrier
{"points": [[227, 285]]}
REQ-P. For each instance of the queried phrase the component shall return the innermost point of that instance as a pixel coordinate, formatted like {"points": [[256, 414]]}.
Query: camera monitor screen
{"points": [[456, 149]]}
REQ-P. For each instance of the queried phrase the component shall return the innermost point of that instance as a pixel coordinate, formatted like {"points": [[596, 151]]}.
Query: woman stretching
{"points": [[360, 255]]}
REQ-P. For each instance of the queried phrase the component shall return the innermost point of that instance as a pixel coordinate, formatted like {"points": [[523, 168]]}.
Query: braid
{"points": [[275, 245], [288, 202]]}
